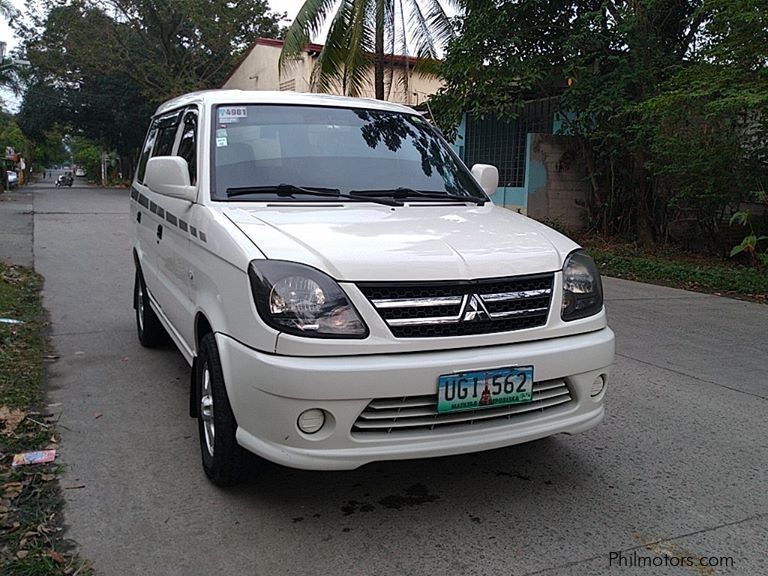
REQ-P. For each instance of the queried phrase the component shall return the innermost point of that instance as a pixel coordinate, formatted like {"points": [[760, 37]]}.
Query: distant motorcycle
{"points": [[64, 180]]}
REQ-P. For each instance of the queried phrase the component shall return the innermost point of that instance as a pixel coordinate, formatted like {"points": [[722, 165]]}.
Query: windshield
{"points": [[341, 149]]}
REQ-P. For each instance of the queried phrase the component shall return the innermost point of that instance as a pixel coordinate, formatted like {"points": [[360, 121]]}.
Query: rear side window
{"points": [[159, 142], [148, 144], [188, 144], [167, 127], [165, 138]]}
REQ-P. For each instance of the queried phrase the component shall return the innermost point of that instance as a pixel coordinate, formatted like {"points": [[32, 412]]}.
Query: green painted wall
{"points": [[535, 173]]}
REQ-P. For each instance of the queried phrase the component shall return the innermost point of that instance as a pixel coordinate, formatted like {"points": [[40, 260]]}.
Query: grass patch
{"points": [[31, 541], [680, 270]]}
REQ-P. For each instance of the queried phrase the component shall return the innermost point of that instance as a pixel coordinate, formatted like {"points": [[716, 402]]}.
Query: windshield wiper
{"points": [[288, 190], [403, 192]]}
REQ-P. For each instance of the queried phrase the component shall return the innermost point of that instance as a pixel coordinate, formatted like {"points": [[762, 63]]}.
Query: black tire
{"points": [[148, 327], [224, 461]]}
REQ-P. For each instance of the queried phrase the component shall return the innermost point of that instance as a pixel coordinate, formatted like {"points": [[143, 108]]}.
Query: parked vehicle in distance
{"points": [[346, 292], [13, 179], [79, 172]]}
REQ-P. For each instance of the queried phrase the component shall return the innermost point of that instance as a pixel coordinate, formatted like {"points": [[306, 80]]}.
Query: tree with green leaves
{"points": [[168, 47], [360, 33], [101, 67], [708, 125], [171, 47], [666, 98]]}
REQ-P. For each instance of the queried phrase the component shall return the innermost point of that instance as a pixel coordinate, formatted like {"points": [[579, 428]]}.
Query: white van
{"points": [[346, 292]]}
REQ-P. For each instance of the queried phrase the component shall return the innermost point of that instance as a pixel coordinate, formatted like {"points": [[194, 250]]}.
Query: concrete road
{"points": [[16, 226], [679, 466]]}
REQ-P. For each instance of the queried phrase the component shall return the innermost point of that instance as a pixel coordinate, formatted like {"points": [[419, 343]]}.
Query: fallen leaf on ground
{"points": [[11, 418], [47, 477], [21, 554], [56, 557], [98, 415], [73, 486], [12, 489]]}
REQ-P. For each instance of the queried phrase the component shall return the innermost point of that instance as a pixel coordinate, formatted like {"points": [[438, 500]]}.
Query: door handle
{"points": [[159, 232]]}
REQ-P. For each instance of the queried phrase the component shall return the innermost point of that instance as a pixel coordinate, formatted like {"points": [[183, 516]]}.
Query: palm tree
{"points": [[358, 34], [7, 8], [8, 74]]}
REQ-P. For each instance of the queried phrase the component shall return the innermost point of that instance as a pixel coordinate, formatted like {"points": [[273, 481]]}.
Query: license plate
{"points": [[484, 389]]}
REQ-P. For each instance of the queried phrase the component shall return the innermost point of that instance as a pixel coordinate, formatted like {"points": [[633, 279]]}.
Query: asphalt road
{"points": [[679, 466]]}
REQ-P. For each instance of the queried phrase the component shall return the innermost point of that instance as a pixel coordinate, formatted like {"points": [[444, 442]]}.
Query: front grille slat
{"points": [[394, 322], [383, 303], [519, 295], [395, 414], [549, 385], [457, 418], [520, 313], [402, 403], [431, 411], [462, 308], [418, 414]]}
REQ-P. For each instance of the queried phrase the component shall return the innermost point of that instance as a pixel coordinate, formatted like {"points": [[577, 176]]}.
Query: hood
{"points": [[369, 242]]}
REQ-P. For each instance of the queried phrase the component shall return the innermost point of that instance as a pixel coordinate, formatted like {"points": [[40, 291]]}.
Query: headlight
{"points": [[301, 300], [582, 287]]}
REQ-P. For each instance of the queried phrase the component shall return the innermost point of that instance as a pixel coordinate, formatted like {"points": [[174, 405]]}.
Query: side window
{"points": [[165, 138], [188, 144], [148, 144]]}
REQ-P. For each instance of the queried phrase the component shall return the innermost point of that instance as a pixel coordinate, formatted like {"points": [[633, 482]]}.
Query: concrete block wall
{"points": [[556, 180]]}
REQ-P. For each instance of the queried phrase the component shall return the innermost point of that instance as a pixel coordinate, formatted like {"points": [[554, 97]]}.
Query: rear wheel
{"points": [[224, 461], [150, 331]]}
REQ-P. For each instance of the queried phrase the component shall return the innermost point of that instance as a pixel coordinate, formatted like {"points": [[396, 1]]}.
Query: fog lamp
{"points": [[310, 421], [597, 386]]}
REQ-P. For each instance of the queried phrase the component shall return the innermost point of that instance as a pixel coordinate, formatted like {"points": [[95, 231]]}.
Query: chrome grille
{"points": [[406, 415], [438, 309]]}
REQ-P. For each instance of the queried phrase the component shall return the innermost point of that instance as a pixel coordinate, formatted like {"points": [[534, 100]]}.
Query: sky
{"points": [[6, 35], [290, 6]]}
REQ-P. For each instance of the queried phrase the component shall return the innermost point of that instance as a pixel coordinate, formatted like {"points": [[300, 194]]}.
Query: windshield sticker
{"points": [[232, 113], [221, 142], [221, 133]]}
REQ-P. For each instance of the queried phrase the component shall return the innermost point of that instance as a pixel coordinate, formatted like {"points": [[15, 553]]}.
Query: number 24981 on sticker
{"points": [[227, 112]]}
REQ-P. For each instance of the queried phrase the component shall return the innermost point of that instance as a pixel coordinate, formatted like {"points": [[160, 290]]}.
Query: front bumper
{"points": [[268, 392]]}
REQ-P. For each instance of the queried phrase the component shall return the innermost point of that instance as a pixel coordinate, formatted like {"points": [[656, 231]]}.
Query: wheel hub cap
{"points": [[206, 409], [140, 307]]}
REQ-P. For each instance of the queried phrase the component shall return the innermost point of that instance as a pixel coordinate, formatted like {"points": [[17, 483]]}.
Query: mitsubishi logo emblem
{"points": [[473, 309]]}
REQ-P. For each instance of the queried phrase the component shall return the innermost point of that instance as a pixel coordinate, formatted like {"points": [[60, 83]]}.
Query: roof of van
{"points": [[209, 97]]}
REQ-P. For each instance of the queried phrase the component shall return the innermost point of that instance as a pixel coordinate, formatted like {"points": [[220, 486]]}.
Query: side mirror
{"points": [[487, 176], [169, 176]]}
